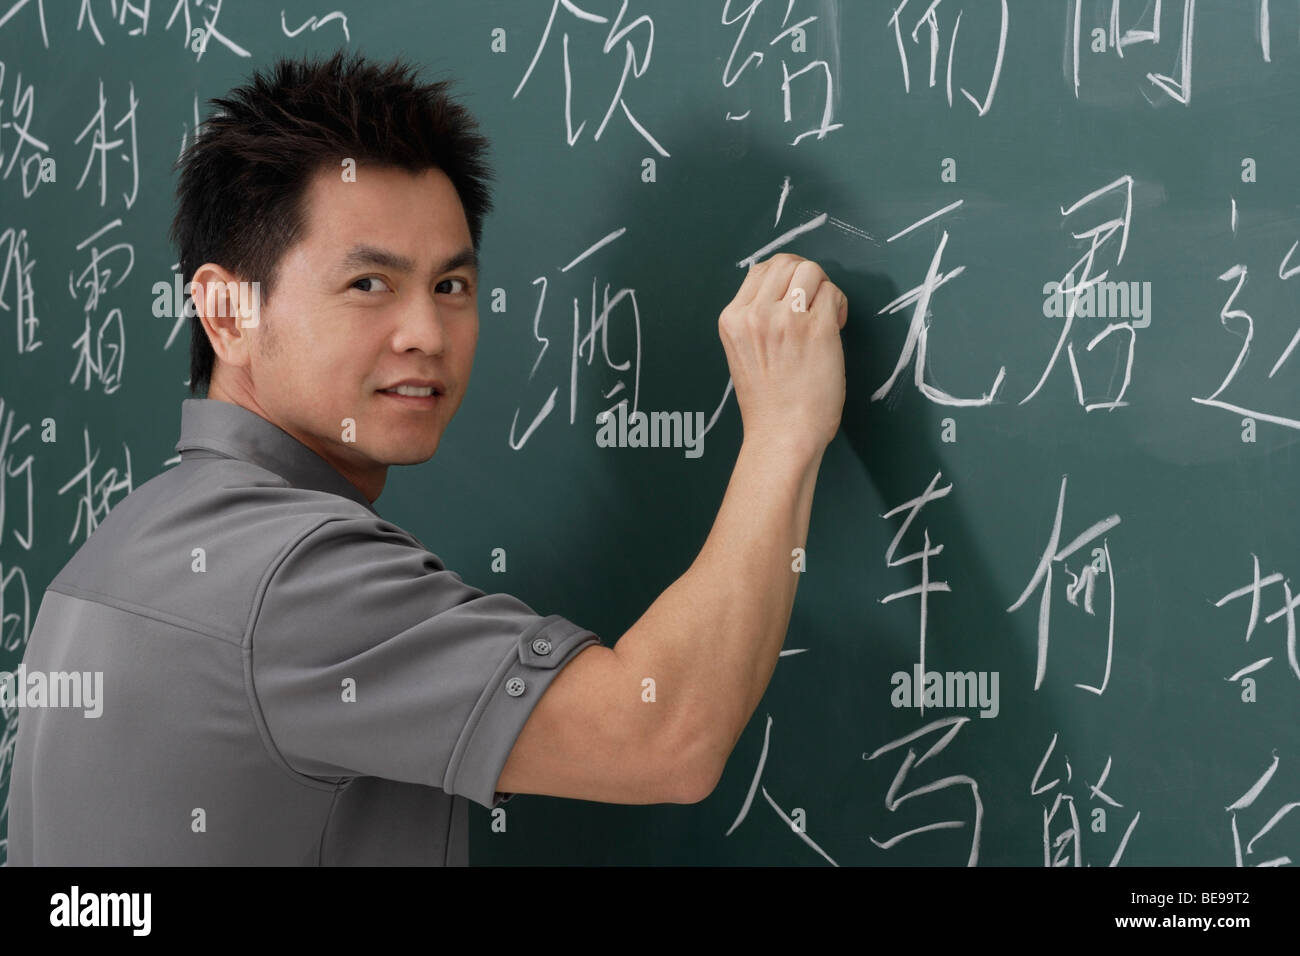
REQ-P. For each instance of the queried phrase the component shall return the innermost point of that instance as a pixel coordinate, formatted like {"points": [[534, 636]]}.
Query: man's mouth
{"points": [[416, 394], [413, 391]]}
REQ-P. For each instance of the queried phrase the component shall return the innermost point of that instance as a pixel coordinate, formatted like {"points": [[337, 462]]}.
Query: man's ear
{"points": [[228, 308]]}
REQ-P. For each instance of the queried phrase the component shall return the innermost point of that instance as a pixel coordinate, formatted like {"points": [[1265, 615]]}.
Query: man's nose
{"points": [[420, 327]]}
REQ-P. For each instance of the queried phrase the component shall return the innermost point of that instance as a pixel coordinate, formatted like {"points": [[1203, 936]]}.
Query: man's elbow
{"points": [[697, 774], [701, 787], [687, 788]]}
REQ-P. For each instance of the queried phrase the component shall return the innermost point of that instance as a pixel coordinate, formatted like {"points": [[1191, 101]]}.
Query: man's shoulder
{"points": [[200, 541]]}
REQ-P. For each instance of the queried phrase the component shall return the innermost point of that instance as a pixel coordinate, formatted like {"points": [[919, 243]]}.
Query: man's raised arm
{"points": [[710, 642]]}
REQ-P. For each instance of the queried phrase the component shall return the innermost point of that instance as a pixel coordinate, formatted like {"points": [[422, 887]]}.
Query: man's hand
{"points": [[781, 337]]}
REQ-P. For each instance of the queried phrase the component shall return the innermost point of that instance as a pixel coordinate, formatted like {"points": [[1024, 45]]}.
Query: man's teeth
{"points": [[411, 390]]}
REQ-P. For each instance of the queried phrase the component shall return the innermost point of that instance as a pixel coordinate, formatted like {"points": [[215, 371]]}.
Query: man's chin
{"points": [[411, 454]]}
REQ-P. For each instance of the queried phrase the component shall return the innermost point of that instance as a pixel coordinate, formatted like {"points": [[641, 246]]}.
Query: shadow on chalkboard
{"points": [[722, 209], [898, 441]]}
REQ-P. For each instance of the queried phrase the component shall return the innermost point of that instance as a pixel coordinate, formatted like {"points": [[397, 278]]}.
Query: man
{"points": [[287, 677]]}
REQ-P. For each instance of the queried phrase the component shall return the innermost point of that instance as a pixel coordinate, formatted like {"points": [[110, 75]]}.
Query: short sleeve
{"points": [[367, 657]]}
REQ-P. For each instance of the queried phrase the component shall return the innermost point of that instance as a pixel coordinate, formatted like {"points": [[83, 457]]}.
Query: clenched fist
{"points": [[781, 336]]}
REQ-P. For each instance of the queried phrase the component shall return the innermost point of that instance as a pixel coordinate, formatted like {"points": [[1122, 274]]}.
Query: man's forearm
{"points": [[712, 639]]}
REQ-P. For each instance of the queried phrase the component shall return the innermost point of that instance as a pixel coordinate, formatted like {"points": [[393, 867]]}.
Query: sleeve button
{"points": [[515, 686], [542, 646]]}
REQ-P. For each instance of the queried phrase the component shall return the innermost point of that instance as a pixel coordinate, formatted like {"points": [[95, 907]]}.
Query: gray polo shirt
{"points": [[287, 677]]}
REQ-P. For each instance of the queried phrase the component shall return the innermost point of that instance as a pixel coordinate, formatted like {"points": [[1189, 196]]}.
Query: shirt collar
{"points": [[235, 432]]}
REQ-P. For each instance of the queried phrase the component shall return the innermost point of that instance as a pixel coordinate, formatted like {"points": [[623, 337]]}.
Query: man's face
{"points": [[381, 289]]}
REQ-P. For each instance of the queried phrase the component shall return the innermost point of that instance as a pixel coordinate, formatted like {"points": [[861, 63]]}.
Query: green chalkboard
{"points": [[1068, 231]]}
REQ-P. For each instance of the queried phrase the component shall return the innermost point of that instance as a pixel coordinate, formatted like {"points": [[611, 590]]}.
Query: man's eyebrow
{"points": [[467, 258], [367, 255]]}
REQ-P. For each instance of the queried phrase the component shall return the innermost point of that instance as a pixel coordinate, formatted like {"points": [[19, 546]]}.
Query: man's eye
{"points": [[464, 286], [369, 284]]}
